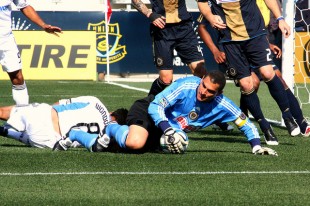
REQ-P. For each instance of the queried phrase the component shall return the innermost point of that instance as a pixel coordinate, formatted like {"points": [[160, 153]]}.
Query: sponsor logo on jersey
{"points": [[114, 51]]}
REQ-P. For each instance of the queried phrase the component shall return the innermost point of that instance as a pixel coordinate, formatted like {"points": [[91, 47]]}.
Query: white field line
{"points": [[154, 173], [128, 87]]}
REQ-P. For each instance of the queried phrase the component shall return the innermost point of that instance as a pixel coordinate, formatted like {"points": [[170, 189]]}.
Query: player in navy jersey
{"points": [[171, 29], [187, 105], [9, 53], [56, 126], [243, 37]]}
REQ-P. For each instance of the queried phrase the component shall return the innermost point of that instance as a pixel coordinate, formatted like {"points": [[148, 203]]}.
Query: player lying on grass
{"points": [[187, 105], [42, 125]]}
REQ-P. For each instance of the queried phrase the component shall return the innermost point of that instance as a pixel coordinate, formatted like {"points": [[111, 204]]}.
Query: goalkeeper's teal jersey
{"points": [[178, 105]]}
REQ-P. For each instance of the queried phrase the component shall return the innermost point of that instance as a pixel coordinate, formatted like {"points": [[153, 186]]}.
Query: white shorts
{"points": [[10, 57], [36, 121]]}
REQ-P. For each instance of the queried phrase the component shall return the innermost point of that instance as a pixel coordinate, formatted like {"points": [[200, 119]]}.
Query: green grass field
{"points": [[218, 168]]}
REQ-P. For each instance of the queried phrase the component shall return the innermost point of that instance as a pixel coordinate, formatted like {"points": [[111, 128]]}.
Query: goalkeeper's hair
{"points": [[120, 115], [217, 77]]}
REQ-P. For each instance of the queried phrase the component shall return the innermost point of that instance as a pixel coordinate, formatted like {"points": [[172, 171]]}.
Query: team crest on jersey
{"points": [[159, 61], [193, 115], [114, 49]]}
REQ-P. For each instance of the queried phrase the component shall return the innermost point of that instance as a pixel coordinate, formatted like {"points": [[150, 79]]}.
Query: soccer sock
{"points": [[251, 100], [157, 86], [85, 139], [243, 106], [20, 94], [278, 93], [296, 110], [14, 134], [119, 132]]}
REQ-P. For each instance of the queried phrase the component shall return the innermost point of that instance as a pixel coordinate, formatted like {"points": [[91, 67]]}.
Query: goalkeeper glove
{"points": [[174, 141], [258, 150]]}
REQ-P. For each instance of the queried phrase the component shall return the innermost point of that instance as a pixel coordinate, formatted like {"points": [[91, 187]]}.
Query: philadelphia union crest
{"points": [[116, 51]]}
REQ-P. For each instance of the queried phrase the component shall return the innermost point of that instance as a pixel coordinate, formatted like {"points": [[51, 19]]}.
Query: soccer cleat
{"points": [[223, 126], [101, 143], [292, 127], [3, 131], [307, 132], [270, 137], [62, 145]]}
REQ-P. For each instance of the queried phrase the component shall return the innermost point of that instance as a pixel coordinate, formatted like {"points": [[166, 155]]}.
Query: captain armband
{"points": [[241, 120]]}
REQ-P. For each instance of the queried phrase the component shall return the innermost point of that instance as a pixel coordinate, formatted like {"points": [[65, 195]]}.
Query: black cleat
{"points": [[101, 144], [3, 131], [60, 146], [270, 137], [292, 127]]}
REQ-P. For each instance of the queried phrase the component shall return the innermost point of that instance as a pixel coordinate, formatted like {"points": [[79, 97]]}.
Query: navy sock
{"points": [[243, 106], [296, 110], [157, 86], [252, 102], [278, 93]]}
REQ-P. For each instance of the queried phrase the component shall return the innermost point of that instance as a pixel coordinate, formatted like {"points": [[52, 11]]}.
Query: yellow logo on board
{"points": [[115, 51]]}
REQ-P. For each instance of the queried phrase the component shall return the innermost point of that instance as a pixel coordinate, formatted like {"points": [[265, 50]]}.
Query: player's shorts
{"points": [[242, 55], [138, 115], [10, 57], [36, 120], [180, 37]]}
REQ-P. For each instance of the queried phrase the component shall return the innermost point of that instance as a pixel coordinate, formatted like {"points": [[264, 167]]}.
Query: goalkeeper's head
{"points": [[120, 116]]}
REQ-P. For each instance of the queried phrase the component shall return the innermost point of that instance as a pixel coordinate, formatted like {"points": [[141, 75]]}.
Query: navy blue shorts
{"points": [[244, 55], [180, 37]]}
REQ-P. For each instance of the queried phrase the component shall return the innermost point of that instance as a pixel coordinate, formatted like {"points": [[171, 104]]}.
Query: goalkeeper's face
{"points": [[207, 90]]}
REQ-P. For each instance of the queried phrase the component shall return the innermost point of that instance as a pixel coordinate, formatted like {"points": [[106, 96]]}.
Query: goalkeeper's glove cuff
{"points": [[164, 125], [254, 142]]}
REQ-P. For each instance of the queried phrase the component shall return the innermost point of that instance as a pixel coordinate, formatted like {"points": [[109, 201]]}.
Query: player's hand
{"points": [[174, 141], [157, 20], [265, 151], [285, 28], [276, 50], [217, 22], [51, 29], [219, 57]]}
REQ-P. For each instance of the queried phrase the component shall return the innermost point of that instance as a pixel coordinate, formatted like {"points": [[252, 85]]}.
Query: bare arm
{"points": [[274, 8], [31, 14], [218, 55], [141, 7], [215, 20]]}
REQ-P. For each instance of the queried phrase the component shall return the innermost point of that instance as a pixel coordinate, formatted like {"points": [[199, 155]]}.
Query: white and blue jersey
{"points": [[178, 105], [86, 113]]}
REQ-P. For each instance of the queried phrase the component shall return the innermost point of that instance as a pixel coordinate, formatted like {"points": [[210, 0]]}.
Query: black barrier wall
{"points": [[130, 47]]}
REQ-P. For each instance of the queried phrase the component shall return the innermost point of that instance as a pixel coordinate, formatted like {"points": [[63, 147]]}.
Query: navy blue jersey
{"points": [[178, 105], [242, 17], [174, 10]]}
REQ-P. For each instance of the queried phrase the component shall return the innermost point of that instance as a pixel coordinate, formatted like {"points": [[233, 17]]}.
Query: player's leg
{"points": [[163, 60], [294, 106], [259, 53], [240, 70], [11, 62]]}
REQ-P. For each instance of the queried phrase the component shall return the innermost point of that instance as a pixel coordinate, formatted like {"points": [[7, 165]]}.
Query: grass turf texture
{"points": [[218, 168]]}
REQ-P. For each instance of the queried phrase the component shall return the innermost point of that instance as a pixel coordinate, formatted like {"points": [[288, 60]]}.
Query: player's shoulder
{"points": [[189, 80]]}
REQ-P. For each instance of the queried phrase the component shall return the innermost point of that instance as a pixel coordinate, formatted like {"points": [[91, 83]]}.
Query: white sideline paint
{"points": [[128, 87], [154, 173]]}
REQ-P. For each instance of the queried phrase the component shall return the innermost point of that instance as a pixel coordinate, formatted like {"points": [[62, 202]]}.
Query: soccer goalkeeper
{"points": [[188, 104]]}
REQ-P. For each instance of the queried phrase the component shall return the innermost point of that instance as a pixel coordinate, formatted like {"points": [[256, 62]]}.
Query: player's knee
{"points": [[198, 68], [135, 142]]}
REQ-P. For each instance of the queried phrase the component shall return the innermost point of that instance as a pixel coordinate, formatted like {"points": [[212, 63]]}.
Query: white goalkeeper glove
{"points": [[174, 141], [258, 150]]}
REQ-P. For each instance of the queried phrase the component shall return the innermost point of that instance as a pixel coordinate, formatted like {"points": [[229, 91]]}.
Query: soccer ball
{"points": [[164, 147]]}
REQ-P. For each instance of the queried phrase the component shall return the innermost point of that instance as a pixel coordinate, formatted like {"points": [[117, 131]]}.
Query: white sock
{"points": [[20, 94]]}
